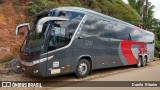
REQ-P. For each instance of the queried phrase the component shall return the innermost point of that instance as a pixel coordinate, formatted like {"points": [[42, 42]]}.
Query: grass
{"points": [[6, 59]]}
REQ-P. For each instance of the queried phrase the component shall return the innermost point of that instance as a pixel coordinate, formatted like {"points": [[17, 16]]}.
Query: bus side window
{"points": [[57, 37], [108, 31], [72, 27], [136, 35], [63, 31], [123, 32], [92, 27], [75, 19]]}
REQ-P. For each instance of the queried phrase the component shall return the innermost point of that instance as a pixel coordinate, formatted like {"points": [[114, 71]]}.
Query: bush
{"points": [[6, 59], [114, 8], [39, 5]]}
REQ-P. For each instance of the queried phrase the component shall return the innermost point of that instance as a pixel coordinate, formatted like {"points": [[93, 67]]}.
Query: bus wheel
{"points": [[83, 68], [139, 63], [144, 61]]}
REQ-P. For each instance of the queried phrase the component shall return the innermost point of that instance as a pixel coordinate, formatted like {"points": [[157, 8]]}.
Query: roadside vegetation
{"points": [[114, 8], [6, 59]]}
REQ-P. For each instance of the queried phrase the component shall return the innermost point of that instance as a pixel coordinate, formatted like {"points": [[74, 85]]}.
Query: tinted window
{"points": [[136, 35], [123, 32], [92, 27], [62, 31], [74, 20], [115, 31], [105, 29], [108, 32], [148, 37], [57, 37]]}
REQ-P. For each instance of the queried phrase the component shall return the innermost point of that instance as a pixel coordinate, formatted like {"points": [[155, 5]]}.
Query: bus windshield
{"points": [[34, 41]]}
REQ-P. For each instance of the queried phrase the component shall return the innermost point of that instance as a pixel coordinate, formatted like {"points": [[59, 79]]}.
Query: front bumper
{"points": [[38, 70]]}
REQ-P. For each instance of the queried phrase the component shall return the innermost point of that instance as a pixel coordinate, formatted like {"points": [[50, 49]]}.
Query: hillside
{"points": [[114, 8], [14, 12], [10, 16]]}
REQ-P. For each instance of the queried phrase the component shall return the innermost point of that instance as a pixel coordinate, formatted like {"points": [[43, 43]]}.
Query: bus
{"points": [[77, 40]]}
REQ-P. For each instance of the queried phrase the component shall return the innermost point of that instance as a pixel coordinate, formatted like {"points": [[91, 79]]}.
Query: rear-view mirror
{"points": [[22, 25]]}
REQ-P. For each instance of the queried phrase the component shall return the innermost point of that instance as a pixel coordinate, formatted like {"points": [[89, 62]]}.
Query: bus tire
{"points": [[139, 63], [144, 61], [83, 68]]}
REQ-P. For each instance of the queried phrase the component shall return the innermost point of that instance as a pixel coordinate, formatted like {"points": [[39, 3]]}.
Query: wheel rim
{"points": [[144, 61], [82, 68], [139, 63]]}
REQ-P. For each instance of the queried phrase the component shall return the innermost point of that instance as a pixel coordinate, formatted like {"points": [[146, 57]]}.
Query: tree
{"points": [[148, 17], [145, 10]]}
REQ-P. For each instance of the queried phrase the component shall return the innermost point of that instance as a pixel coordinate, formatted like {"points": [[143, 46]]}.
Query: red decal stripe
{"points": [[127, 52]]}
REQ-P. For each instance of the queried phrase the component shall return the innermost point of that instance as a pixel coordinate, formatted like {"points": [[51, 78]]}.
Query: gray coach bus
{"points": [[77, 40]]}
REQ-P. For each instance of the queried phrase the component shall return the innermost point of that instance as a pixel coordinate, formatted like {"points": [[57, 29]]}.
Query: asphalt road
{"points": [[144, 74]]}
